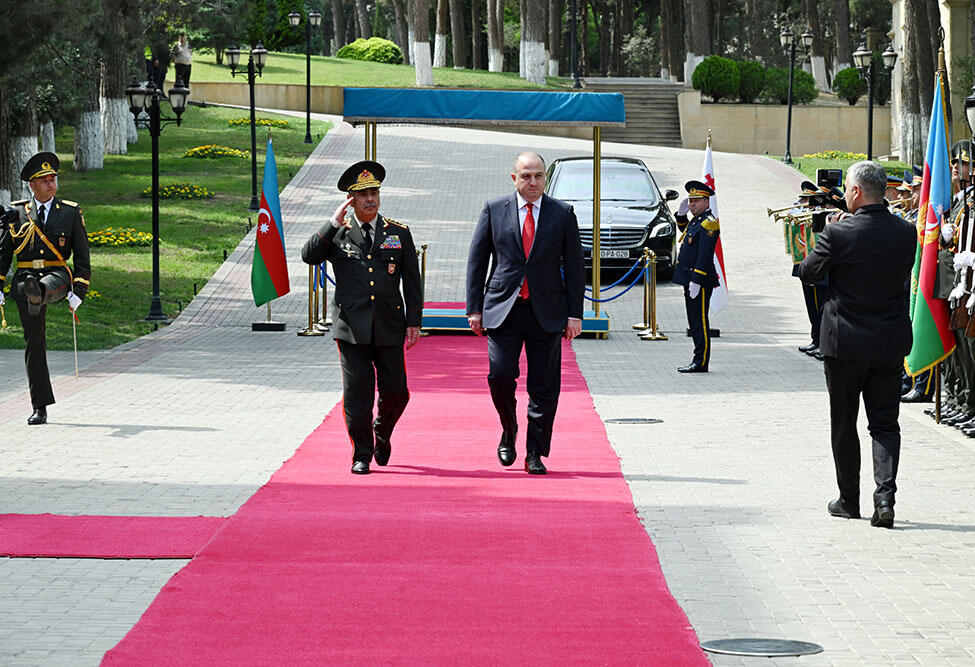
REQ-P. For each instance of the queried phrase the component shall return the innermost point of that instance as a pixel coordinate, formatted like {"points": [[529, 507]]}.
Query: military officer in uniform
{"points": [[43, 235], [373, 258], [695, 270]]}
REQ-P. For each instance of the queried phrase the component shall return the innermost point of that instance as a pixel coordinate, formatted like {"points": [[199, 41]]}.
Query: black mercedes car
{"points": [[633, 214]]}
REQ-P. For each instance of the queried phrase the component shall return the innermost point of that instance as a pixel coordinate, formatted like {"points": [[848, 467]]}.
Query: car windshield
{"points": [[618, 182]]}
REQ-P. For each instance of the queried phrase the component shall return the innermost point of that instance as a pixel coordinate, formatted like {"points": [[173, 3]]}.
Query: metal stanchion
{"points": [[650, 298], [422, 254], [644, 326], [324, 321], [310, 330]]}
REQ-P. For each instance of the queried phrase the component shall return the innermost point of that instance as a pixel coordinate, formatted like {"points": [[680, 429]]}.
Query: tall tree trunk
{"points": [[420, 20], [23, 142], [912, 144], [585, 56], [697, 34], [6, 159], [555, 10], [495, 22], [440, 38], [362, 12], [402, 31], [816, 59], [477, 36], [841, 23], [89, 140], [458, 38], [756, 15], [123, 31], [47, 135], [533, 41], [668, 68], [338, 24]]}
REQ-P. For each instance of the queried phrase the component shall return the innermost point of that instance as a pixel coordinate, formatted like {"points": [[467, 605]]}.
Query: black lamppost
{"points": [[573, 45], [147, 99], [314, 20], [863, 59], [789, 43], [255, 64]]}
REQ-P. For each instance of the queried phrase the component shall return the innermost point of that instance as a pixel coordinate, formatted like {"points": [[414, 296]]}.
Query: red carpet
{"points": [[442, 557], [62, 536]]}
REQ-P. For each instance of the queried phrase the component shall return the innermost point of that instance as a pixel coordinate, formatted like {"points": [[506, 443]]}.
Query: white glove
{"points": [[968, 258], [3, 299], [947, 231], [684, 207], [956, 294], [693, 290], [959, 261], [971, 303], [73, 301]]}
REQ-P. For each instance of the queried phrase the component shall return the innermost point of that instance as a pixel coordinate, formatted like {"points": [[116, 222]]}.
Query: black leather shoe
{"points": [[915, 396], [808, 348], [382, 451], [360, 468], [956, 418], [839, 508], [38, 417], [693, 367], [506, 449], [883, 515], [534, 465], [968, 423], [33, 291], [817, 354]]}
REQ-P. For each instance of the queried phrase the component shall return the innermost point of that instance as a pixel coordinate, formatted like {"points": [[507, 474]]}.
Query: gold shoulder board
{"points": [[72, 204], [711, 225], [395, 222], [19, 203]]}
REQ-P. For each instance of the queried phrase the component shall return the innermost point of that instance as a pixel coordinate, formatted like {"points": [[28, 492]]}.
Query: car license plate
{"points": [[614, 254]]}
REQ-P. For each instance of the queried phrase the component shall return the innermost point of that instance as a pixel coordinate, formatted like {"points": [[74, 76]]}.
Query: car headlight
{"points": [[663, 229]]}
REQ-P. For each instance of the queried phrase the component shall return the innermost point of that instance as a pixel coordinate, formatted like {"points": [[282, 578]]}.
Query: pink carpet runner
{"points": [[67, 536], [441, 557]]}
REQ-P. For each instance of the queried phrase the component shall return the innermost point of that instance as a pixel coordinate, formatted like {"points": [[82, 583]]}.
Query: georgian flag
{"points": [[719, 296]]}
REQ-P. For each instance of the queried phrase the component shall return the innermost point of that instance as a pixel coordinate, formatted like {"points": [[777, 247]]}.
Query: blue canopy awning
{"points": [[482, 107]]}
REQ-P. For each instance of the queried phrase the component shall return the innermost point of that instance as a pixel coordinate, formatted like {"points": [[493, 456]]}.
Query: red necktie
{"points": [[527, 236]]}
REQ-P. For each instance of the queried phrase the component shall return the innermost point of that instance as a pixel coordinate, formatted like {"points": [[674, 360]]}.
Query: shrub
{"points": [[179, 191], [716, 77], [777, 86], [215, 151], [374, 49], [270, 122], [640, 52], [751, 80], [836, 155], [848, 85]]}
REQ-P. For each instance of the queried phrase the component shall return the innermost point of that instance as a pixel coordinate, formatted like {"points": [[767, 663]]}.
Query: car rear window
{"points": [[615, 183]]}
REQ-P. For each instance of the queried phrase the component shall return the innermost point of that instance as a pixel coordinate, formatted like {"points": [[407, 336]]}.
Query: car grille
{"points": [[613, 238]]}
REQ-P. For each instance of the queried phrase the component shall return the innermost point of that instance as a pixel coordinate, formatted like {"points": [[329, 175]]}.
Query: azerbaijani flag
{"points": [[933, 339], [719, 296], [269, 272]]}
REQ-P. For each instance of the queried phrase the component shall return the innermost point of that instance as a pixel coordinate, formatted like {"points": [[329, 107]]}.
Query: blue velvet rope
{"points": [[624, 277], [639, 276]]}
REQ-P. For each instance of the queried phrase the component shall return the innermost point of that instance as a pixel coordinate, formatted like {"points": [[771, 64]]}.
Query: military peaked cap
{"points": [[698, 190], [41, 164], [362, 176]]}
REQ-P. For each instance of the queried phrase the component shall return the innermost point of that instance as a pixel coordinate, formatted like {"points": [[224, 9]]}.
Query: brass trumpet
{"points": [[772, 211]]}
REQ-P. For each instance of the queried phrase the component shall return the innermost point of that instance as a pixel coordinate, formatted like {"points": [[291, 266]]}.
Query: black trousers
{"points": [[364, 369], [815, 297], [879, 382], [699, 323], [543, 350], [55, 286], [183, 73]]}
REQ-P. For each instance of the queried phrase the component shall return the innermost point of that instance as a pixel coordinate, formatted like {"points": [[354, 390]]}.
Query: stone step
{"points": [[651, 110]]}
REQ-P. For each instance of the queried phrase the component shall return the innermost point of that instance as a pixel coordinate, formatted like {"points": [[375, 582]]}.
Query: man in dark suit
{"points": [[373, 257], [533, 297], [865, 334], [43, 232], [695, 270]]}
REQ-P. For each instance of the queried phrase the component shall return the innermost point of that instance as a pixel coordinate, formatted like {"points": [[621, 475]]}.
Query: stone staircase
{"points": [[651, 110]]}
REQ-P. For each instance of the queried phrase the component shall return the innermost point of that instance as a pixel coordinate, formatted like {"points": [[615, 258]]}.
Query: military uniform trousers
{"points": [[815, 297], [699, 324], [366, 367], [879, 382], [55, 285]]}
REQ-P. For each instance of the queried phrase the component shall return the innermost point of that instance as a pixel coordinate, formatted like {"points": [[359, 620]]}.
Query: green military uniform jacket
{"points": [[63, 236], [369, 306]]}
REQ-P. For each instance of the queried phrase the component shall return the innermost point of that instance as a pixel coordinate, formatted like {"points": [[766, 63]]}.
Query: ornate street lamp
{"points": [[863, 60], [314, 21], [788, 41], [147, 99], [255, 65]]}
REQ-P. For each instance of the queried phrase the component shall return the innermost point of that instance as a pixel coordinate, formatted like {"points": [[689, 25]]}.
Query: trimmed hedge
{"points": [[848, 85], [777, 86], [751, 81], [716, 77], [374, 49]]}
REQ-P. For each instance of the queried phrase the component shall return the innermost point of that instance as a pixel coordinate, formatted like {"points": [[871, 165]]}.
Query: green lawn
{"points": [[193, 233], [290, 68]]}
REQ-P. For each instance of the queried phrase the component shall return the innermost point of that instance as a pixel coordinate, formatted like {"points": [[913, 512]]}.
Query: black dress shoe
{"points": [[956, 418], [360, 468], [534, 465], [968, 423], [506, 449], [693, 367], [817, 354], [383, 450], [883, 515], [33, 291], [808, 348], [916, 396], [38, 417], [839, 508]]}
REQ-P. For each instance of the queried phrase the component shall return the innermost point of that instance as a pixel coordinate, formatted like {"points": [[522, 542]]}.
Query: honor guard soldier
{"points": [[373, 258], [44, 235], [814, 296], [695, 270]]}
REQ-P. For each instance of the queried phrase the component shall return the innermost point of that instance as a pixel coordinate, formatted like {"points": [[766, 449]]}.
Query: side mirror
{"points": [[670, 195]]}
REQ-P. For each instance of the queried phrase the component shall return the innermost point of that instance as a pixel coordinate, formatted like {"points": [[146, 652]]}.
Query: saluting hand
{"points": [[338, 218]]}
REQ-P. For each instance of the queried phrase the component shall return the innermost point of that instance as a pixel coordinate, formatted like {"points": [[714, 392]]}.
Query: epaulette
{"points": [[395, 222], [72, 204], [19, 203], [711, 224]]}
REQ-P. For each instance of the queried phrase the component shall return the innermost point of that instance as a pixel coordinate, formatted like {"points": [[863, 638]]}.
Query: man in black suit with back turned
{"points": [[533, 297], [865, 334]]}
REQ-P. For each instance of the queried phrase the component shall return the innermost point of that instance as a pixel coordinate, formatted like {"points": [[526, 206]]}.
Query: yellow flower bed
{"points": [[269, 122], [836, 155], [215, 151], [123, 237], [179, 191]]}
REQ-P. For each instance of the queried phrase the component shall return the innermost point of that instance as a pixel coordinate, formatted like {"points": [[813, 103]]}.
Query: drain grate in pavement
{"points": [[634, 420], [763, 648]]}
